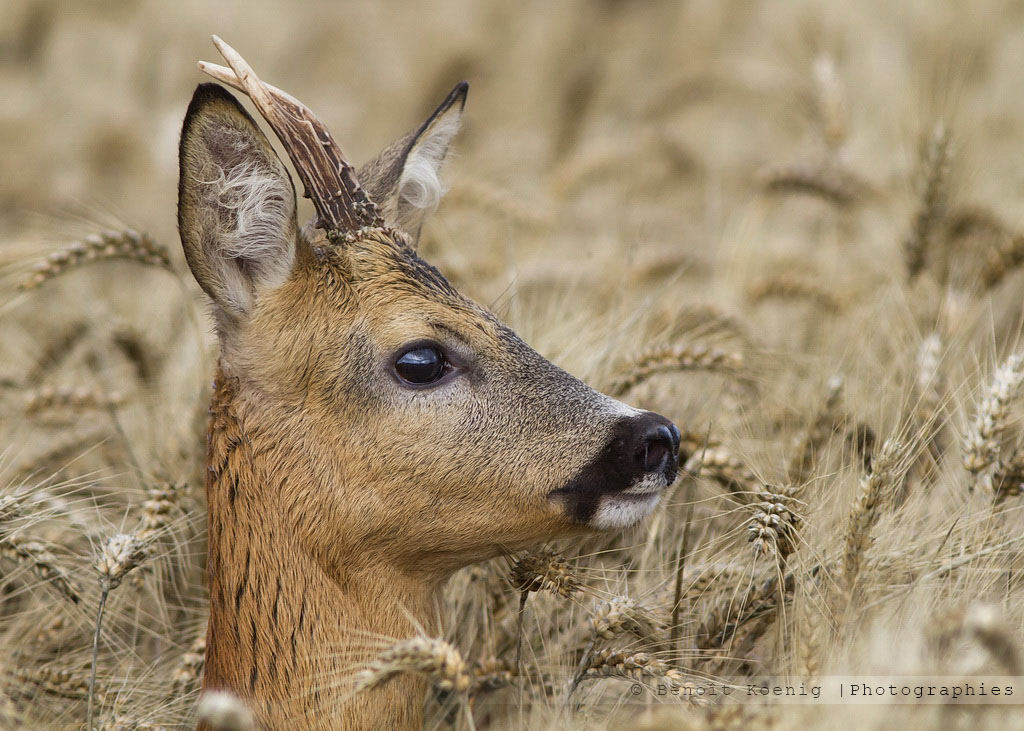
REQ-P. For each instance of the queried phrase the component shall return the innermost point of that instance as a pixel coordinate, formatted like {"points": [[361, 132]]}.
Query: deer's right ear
{"points": [[236, 203], [404, 179]]}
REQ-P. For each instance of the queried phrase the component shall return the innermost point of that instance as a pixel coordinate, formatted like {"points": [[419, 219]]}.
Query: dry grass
{"points": [[711, 209]]}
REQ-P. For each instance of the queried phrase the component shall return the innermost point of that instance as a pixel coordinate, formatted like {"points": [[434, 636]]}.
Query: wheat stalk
{"points": [[983, 440], [40, 561], [809, 442], [624, 615], [63, 682], [722, 466], [826, 179], [876, 486], [544, 571], [10, 508], [793, 287], [610, 663], [932, 199], [163, 500], [1008, 477], [105, 245], [773, 525], [120, 555], [190, 668], [731, 612], [489, 674], [427, 656], [677, 357], [67, 397]]}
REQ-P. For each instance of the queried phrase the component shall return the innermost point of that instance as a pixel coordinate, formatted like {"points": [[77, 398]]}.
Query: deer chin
{"points": [[624, 510], [618, 510]]}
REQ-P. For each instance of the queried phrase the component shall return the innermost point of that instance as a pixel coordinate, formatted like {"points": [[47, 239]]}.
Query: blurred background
{"points": [[813, 189]]}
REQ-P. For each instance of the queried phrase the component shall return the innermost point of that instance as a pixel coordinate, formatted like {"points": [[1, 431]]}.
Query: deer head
{"points": [[368, 416]]}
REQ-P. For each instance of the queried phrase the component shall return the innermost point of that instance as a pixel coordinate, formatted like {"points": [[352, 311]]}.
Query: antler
{"points": [[341, 203]]}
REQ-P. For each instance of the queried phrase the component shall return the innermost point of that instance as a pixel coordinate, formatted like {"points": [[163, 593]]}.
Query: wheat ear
{"points": [[983, 440], [677, 357], [128, 244], [120, 555], [433, 658], [932, 198]]}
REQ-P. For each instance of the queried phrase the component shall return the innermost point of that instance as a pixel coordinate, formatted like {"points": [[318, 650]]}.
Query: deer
{"points": [[371, 430]]}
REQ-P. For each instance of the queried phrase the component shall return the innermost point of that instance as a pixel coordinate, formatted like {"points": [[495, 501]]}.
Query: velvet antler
{"points": [[342, 205]]}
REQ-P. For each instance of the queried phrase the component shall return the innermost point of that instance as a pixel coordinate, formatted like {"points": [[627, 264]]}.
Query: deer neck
{"points": [[285, 632]]}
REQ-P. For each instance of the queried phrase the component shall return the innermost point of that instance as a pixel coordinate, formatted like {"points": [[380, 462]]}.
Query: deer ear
{"points": [[236, 203], [404, 179]]}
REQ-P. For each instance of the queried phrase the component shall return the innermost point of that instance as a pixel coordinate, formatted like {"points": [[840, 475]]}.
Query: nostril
{"points": [[655, 449], [676, 436]]}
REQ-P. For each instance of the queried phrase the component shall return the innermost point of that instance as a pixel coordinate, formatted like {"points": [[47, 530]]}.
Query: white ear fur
{"points": [[420, 186], [264, 208], [236, 204], [405, 178]]}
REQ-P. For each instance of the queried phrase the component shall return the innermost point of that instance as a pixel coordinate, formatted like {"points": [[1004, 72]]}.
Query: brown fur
{"points": [[339, 501]]}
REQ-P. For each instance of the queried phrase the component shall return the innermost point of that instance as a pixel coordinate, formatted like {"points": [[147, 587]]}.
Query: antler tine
{"points": [[341, 203]]}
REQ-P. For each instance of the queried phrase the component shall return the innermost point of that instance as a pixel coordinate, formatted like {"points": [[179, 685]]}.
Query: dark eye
{"points": [[421, 365]]}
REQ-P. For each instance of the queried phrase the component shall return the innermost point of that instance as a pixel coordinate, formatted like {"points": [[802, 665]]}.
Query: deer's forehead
{"points": [[391, 296]]}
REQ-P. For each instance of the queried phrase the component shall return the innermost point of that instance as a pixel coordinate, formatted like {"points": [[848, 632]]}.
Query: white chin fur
{"points": [[623, 512]]}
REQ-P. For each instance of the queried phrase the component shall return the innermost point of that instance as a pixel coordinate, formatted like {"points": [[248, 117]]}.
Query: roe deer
{"points": [[372, 430]]}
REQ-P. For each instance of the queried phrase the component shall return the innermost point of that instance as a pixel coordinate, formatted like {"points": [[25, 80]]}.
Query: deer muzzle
{"points": [[624, 482]]}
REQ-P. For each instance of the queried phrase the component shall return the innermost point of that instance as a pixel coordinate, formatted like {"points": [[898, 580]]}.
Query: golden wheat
{"points": [[128, 245], [427, 656]]}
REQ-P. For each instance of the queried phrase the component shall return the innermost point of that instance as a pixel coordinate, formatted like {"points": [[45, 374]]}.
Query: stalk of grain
{"points": [[190, 668], [129, 245], [810, 635], [611, 663], [10, 508], [57, 681], [795, 288], [625, 615], [120, 555], [983, 440], [774, 524], [879, 484], [38, 559], [932, 199], [929, 390], [670, 358], [67, 397], [163, 501], [544, 570], [722, 466], [824, 179], [435, 659], [1008, 477], [732, 611], [536, 571], [489, 674], [810, 441]]}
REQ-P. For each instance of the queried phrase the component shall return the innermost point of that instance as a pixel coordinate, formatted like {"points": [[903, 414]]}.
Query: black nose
{"points": [[656, 445]]}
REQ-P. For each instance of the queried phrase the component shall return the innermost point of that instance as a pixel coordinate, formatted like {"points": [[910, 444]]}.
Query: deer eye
{"points": [[421, 365]]}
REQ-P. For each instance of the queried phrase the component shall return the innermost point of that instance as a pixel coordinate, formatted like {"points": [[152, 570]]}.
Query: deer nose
{"points": [[657, 446]]}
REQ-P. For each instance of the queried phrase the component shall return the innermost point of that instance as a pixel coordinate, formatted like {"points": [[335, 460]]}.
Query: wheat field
{"points": [[794, 228]]}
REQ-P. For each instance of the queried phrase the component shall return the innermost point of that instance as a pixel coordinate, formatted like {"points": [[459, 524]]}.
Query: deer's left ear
{"points": [[405, 178]]}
